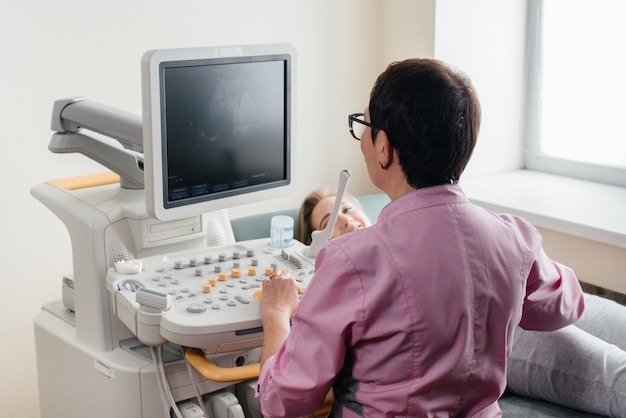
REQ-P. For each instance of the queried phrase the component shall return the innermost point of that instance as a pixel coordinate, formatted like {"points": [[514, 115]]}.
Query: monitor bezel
{"points": [[154, 179]]}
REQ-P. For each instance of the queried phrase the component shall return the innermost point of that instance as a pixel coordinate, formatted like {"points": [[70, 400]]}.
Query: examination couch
{"points": [[578, 371]]}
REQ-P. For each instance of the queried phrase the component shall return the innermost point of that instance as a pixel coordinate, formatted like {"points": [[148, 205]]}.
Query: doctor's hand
{"points": [[279, 301], [280, 296]]}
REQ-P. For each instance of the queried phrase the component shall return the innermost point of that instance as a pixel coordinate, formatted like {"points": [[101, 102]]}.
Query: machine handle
{"points": [[86, 181], [214, 373]]}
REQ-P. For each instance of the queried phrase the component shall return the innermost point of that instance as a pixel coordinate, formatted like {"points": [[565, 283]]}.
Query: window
{"points": [[576, 105]]}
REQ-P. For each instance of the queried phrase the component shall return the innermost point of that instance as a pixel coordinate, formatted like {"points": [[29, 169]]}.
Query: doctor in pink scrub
{"points": [[413, 316]]}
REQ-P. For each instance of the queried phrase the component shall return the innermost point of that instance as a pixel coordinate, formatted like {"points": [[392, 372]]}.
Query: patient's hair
{"points": [[304, 229], [303, 223]]}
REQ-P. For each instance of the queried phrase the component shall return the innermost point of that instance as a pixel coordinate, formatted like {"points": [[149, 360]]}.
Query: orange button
{"points": [[206, 288], [235, 272], [223, 277]]}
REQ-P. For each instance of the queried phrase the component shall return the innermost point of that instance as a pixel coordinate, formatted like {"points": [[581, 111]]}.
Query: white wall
{"points": [[57, 48], [486, 40]]}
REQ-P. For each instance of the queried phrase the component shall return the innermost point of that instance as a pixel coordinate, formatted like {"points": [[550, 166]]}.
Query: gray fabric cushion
{"points": [[513, 406], [569, 367], [605, 319]]}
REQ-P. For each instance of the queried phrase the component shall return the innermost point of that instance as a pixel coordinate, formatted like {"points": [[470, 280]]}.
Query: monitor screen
{"points": [[217, 127]]}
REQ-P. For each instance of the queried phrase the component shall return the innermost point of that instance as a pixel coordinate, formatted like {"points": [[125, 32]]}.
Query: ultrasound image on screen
{"points": [[224, 128]]}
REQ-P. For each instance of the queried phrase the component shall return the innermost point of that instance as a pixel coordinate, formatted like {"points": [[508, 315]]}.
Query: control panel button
{"points": [[196, 308], [242, 299]]}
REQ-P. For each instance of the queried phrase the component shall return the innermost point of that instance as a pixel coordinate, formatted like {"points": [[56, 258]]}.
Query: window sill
{"points": [[570, 206]]}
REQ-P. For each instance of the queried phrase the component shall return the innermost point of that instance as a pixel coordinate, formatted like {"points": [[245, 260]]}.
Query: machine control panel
{"points": [[206, 298]]}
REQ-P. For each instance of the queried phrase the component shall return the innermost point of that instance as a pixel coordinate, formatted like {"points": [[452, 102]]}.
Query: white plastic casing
{"points": [[152, 132]]}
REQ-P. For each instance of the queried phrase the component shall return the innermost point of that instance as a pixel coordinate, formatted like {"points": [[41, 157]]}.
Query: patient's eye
{"points": [[345, 208]]}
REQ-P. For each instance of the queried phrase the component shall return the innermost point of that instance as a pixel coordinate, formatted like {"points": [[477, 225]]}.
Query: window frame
{"points": [[533, 158]]}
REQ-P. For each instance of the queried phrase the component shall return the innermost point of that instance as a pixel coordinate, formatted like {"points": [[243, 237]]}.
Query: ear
{"points": [[384, 149]]}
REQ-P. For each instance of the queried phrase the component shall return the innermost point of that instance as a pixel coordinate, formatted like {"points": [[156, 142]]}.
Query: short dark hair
{"points": [[431, 115]]}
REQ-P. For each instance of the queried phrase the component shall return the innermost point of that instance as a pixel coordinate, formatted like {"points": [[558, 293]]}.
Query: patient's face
{"points": [[350, 217]]}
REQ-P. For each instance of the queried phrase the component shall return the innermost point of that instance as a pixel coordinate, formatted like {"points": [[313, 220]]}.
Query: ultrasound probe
{"points": [[319, 238]]}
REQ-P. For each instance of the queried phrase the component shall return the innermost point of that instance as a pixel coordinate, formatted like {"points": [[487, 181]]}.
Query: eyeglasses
{"points": [[357, 130]]}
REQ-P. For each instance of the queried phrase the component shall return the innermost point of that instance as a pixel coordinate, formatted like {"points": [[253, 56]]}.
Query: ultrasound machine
{"points": [[160, 315]]}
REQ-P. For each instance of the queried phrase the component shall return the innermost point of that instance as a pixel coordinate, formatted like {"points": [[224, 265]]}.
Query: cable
{"points": [[166, 406], [166, 395], [195, 385]]}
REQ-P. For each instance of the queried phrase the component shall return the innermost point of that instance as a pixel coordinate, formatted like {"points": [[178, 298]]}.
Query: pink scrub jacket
{"points": [[414, 316]]}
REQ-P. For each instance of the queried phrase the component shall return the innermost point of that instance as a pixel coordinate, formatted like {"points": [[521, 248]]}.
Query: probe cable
{"points": [[166, 394], [195, 385]]}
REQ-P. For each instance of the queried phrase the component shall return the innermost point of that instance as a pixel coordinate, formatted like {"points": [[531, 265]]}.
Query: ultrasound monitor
{"points": [[218, 127]]}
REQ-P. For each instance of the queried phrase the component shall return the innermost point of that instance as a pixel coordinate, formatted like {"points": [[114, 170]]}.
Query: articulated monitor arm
{"points": [[71, 115]]}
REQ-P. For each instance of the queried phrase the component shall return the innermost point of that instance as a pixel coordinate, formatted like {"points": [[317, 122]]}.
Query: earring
{"points": [[381, 165]]}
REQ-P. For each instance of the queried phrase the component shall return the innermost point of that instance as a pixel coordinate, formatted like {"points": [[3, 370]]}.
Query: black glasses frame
{"points": [[355, 118]]}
